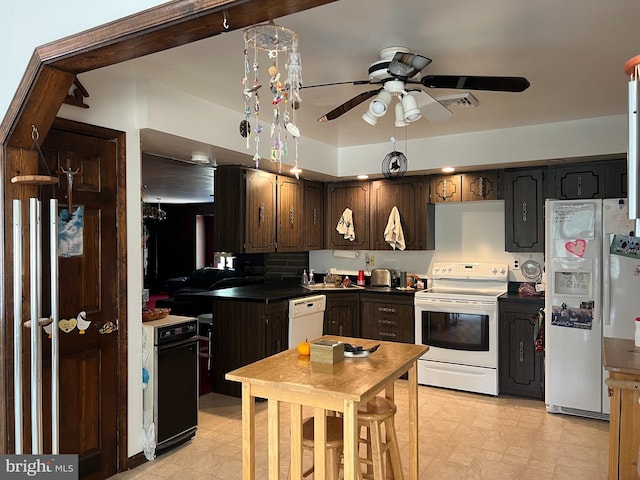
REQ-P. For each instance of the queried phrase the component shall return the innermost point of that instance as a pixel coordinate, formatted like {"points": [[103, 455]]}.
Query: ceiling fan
{"points": [[397, 68]]}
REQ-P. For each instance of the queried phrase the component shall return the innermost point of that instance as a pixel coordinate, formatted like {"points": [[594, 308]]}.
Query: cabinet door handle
{"points": [[387, 334], [291, 215], [521, 351], [315, 216], [387, 309], [387, 322], [524, 211], [261, 213]]}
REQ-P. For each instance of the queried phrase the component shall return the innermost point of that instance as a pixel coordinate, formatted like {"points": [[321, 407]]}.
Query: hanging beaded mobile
{"points": [[274, 40]]}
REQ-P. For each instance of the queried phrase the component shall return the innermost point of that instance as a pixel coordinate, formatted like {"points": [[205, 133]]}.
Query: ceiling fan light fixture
{"points": [[378, 107], [410, 106], [400, 121]]}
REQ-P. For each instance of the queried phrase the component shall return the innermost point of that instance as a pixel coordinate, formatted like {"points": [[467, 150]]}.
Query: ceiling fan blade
{"points": [[406, 65], [348, 105], [498, 84], [353, 82], [431, 108]]}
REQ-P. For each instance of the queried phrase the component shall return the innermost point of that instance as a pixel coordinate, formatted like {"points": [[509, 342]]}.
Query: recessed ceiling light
{"points": [[362, 177], [448, 169]]}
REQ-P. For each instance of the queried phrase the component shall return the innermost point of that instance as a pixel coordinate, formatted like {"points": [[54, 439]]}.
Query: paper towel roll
{"points": [[345, 253]]}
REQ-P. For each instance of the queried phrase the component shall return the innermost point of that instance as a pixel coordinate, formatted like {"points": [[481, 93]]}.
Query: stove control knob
{"points": [[502, 271], [495, 270]]}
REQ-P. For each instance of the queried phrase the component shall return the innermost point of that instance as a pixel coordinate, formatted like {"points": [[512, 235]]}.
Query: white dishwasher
{"points": [[306, 318]]}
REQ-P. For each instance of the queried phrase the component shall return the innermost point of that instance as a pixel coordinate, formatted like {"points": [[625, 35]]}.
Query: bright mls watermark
{"points": [[52, 467]]}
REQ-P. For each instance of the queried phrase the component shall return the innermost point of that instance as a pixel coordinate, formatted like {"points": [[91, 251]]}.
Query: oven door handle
{"points": [[179, 343]]}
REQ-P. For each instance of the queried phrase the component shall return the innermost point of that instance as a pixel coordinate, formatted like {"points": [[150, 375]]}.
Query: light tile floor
{"points": [[463, 436]]}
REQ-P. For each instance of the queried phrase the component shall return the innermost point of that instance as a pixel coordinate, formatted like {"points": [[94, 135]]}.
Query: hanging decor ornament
{"points": [[280, 45]]}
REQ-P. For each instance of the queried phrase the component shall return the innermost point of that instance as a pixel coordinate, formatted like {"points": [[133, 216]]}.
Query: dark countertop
{"points": [[516, 297], [512, 295], [274, 292]]}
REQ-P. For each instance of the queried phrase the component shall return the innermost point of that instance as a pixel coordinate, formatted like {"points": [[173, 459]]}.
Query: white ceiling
{"points": [[572, 52]]}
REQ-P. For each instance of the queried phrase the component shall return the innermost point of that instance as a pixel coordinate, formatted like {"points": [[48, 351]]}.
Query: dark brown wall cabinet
{"points": [[244, 332], [342, 314], [524, 210], [606, 179], [387, 317], [417, 217], [257, 212], [467, 187], [520, 366], [338, 197]]}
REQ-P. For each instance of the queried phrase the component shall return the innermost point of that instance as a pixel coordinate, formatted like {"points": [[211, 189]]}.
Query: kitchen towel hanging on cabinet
{"points": [[345, 225], [393, 234]]}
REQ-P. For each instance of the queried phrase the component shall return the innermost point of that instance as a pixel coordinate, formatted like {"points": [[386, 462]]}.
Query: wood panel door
{"points": [[524, 210], [586, 180], [410, 195], [289, 215], [355, 197], [260, 212], [446, 188], [92, 280], [313, 215], [479, 186]]}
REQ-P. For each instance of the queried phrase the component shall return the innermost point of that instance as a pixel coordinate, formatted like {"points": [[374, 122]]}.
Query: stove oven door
{"points": [[458, 331]]}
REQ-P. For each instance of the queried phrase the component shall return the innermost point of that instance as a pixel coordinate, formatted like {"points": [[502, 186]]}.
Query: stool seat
{"points": [[378, 408], [334, 433]]}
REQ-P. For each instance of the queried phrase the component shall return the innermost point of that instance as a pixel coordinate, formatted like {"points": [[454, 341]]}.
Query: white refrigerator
{"points": [[592, 266]]}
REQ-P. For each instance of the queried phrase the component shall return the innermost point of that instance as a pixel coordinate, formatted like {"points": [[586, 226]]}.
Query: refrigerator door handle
{"points": [[606, 280]]}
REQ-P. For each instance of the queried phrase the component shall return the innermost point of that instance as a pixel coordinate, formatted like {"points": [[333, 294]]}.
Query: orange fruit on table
{"points": [[304, 348]]}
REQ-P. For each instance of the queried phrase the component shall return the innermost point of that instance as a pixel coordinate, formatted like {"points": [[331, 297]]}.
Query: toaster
{"points": [[380, 277]]}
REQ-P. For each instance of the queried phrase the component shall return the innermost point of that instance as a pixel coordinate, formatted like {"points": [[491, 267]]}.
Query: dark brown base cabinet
{"points": [[342, 315], [387, 317], [520, 367], [244, 332]]}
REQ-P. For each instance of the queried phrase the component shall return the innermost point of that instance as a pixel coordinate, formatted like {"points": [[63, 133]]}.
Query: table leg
{"points": [[295, 472], [413, 422], [248, 433], [351, 460], [319, 443], [273, 414]]}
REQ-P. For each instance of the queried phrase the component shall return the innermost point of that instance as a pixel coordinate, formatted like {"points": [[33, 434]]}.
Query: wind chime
{"points": [[284, 93]]}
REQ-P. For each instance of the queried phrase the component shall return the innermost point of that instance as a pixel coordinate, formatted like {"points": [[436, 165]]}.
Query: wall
{"points": [[465, 231], [535, 143], [25, 25]]}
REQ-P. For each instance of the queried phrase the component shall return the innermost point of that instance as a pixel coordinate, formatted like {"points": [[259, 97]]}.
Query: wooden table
{"points": [[291, 378], [622, 361]]}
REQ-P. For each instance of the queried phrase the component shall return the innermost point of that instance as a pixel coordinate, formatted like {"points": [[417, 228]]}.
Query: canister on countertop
{"points": [[403, 280], [361, 278]]}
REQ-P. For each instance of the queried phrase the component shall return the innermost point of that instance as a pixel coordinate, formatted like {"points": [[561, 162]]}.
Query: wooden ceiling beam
{"points": [[160, 28]]}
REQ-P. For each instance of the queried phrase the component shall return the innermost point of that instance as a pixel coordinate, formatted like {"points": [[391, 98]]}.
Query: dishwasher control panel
{"points": [[174, 333]]}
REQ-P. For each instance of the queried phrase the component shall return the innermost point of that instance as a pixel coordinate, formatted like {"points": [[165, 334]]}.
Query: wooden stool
{"points": [[334, 444], [371, 416]]}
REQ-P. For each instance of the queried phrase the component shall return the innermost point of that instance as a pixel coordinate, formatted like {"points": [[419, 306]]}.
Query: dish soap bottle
{"points": [[305, 278]]}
